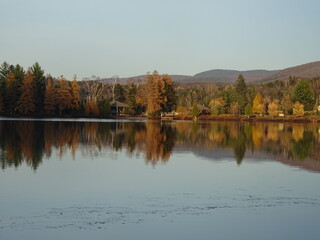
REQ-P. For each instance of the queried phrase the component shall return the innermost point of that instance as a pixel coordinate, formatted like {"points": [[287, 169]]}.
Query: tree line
{"points": [[32, 93], [292, 96]]}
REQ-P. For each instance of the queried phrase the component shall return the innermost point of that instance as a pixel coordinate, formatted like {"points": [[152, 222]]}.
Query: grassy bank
{"points": [[304, 119]]}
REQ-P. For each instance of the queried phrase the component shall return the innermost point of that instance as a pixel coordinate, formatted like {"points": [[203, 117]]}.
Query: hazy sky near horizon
{"points": [[128, 38]]}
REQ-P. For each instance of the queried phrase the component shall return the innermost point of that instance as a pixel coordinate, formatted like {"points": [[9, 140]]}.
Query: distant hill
{"points": [[308, 70], [230, 76]]}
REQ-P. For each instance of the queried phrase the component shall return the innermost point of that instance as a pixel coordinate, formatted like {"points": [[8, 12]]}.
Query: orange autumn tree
{"points": [[49, 98], [26, 103], [63, 94], [141, 96], [11, 93], [155, 87], [75, 92]]}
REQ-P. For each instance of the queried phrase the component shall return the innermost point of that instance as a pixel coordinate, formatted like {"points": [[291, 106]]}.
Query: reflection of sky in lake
{"points": [[113, 196]]}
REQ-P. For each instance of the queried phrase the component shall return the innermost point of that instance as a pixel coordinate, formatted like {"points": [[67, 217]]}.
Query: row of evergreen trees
{"points": [[31, 93]]}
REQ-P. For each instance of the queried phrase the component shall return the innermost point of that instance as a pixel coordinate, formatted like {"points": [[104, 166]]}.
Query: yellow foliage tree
{"points": [[217, 106], [258, 106], [298, 109], [273, 108], [26, 102]]}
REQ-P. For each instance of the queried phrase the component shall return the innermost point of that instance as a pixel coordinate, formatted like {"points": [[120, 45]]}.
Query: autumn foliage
{"points": [[75, 94], [258, 106], [26, 103], [49, 99], [32, 93]]}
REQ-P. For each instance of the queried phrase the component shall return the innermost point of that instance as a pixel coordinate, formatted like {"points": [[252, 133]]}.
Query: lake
{"points": [[81, 179]]}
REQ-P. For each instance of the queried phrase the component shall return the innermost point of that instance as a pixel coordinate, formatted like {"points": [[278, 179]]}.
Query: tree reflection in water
{"points": [[30, 141]]}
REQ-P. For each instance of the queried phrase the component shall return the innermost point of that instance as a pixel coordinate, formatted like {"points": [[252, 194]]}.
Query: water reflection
{"points": [[31, 141]]}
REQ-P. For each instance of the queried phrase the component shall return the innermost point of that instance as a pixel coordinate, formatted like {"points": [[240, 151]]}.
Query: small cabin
{"points": [[204, 110], [117, 108]]}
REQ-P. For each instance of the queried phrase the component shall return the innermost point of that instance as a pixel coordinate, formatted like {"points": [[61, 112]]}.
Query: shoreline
{"points": [[305, 119]]}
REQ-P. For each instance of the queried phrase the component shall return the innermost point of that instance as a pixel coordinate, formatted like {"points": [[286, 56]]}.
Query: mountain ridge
{"points": [[307, 70]]}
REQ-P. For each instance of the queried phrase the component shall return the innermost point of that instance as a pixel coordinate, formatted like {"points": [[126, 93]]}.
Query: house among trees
{"points": [[117, 108], [204, 110]]}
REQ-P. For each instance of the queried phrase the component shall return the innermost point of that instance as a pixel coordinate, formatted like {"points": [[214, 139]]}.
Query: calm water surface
{"points": [[153, 180]]}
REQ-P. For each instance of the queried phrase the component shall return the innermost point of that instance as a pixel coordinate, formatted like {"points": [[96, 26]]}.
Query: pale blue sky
{"points": [[127, 38]]}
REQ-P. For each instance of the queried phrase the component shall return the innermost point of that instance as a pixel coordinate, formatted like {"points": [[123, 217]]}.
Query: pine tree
{"points": [[248, 110], [75, 92], [40, 85], [19, 73], [303, 94], [4, 71], [131, 102], [241, 92], [169, 93], [241, 86], [49, 99], [26, 102], [119, 93]]}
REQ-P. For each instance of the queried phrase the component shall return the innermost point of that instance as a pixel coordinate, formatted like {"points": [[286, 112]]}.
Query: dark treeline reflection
{"points": [[32, 141]]}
